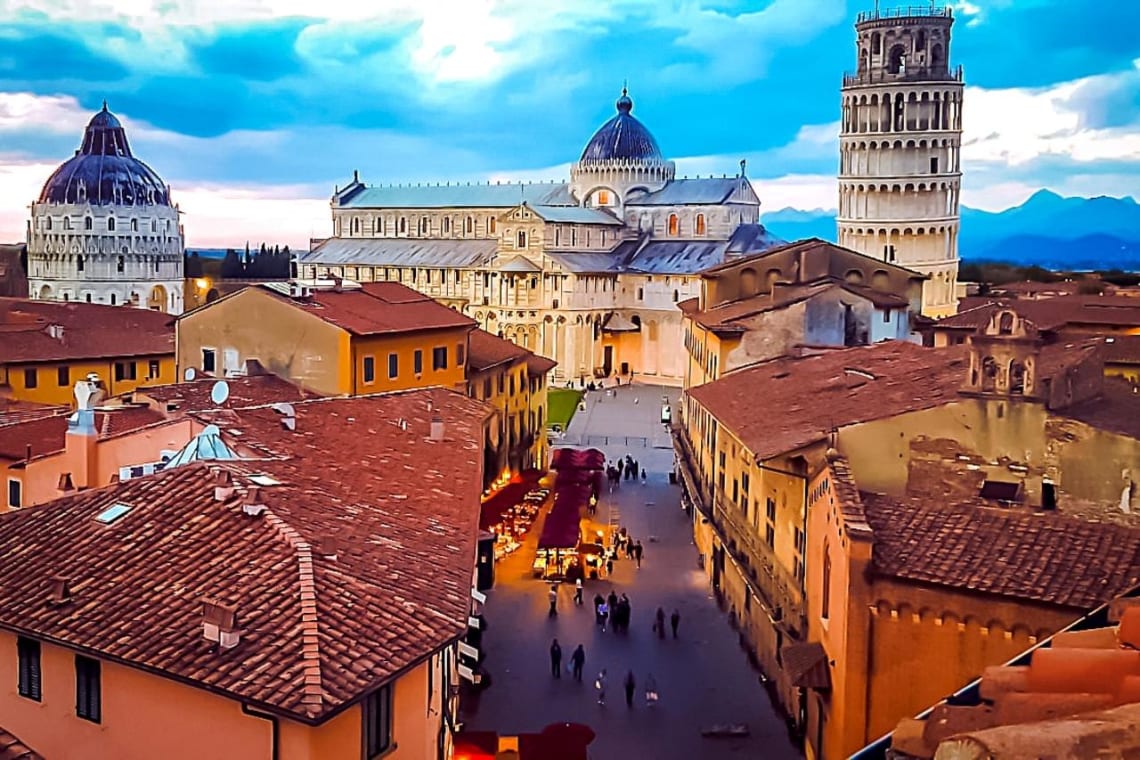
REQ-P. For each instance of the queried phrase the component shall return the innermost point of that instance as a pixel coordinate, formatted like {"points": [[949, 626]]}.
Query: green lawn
{"points": [[561, 405]]}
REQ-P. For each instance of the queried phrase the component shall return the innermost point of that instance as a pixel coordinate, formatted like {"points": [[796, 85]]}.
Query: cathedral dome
{"points": [[622, 137], [103, 172]]}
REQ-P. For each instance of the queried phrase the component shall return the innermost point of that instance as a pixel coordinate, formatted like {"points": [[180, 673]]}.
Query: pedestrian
{"points": [[630, 685], [553, 601], [644, 478], [650, 690], [603, 613], [659, 626], [577, 660], [628, 549], [674, 621], [556, 659], [637, 550], [578, 592], [600, 685], [610, 565], [612, 600]]}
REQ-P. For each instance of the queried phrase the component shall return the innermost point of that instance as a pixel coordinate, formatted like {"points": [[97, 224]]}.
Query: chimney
{"points": [[60, 590], [327, 546], [251, 504], [65, 484], [437, 428], [81, 449], [219, 623], [223, 486]]}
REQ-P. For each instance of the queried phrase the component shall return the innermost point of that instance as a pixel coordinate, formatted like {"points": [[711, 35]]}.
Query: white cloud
{"points": [[802, 191], [222, 216], [52, 113]]}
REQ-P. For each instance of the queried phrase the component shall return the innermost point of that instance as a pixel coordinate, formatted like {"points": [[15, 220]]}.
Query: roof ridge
{"points": [[310, 629]]}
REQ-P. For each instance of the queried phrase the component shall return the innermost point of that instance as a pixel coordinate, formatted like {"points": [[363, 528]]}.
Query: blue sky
{"points": [[255, 109]]}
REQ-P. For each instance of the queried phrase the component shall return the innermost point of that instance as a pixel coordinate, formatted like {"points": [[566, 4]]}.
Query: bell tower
{"points": [[900, 147], [1003, 358]]}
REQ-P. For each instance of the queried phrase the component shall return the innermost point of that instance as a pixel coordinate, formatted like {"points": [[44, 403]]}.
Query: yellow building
{"points": [[330, 337], [48, 346], [801, 295], [1010, 421], [513, 380]]}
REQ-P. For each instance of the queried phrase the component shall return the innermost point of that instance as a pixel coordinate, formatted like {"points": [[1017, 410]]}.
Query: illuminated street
{"points": [[703, 677]]}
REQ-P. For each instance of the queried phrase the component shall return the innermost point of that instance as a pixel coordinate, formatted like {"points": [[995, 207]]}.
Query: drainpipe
{"points": [[274, 752]]}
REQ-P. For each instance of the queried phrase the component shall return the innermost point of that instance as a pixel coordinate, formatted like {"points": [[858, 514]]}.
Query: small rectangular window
{"points": [[393, 366], [934, 164], [369, 369], [153, 370], [378, 723], [15, 497], [88, 689], [209, 360], [460, 354], [63, 376], [418, 362], [30, 681], [487, 388], [439, 358], [126, 370], [31, 379]]}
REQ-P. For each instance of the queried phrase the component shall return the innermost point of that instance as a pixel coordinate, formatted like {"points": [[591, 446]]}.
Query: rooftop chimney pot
{"points": [[219, 623], [437, 428], [60, 590]]}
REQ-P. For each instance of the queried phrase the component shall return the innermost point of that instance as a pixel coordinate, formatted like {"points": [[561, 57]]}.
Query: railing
{"points": [[906, 11], [917, 74]]}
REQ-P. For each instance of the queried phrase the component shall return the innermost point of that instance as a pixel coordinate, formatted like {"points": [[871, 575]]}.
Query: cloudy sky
{"points": [[253, 110]]}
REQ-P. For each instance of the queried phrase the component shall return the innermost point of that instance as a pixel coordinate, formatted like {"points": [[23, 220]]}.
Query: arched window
{"points": [[674, 225], [936, 55], [446, 225], [897, 62], [134, 225], [700, 224], [676, 296], [425, 225], [114, 299], [469, 226], [355, 226], [79, 263], [403, 225], [522, 239], [920, 40], [121, 264], [876, 43], [603, 198], [110, 224], [491, 225], [47, 224], [67, 222], [87, 223], [825, 580], [154, 225]]}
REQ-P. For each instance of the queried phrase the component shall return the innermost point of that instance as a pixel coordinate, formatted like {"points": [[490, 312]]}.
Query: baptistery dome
{"points": [[622, 138], [103, 171]]}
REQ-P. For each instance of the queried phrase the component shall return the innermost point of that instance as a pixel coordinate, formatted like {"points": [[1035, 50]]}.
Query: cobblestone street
{"points": [[703, 676]]}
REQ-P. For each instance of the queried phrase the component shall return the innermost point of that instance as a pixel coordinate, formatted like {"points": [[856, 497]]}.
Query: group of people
{"points": [[613, 611], [627, 468], [623, 542], [577, 661], [629, 684]]}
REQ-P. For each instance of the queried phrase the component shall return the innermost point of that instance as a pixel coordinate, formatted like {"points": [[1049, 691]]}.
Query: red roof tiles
{"points": [[378, 308], [12, 748], [782, 405], [316, 631], [486, 350], [1054, 313], [1038, 556], [251, 390], [724, 317], [45, 435], [52, 331], [14, 410]]}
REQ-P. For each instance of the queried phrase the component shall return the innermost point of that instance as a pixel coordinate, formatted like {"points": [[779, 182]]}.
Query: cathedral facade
{"points": [[586, 272], [104, 229]]}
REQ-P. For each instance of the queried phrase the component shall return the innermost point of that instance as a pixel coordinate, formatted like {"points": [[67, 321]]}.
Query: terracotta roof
{"points": [[723, 316], [486, 350], [847, 494], [1053, 313], [15, 410], [1055, 358], [808, 244], [252, 390], [82, 330], [1038, 556], [377, 308], [1117, 408], [782, 405], [12, 748], [47, 434], [1122, 349], [316, 631], [539, 365]]}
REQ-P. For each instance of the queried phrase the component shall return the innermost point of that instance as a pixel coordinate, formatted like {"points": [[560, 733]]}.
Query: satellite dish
{"points": [[220, 392], [190, 374], [285, 409]]}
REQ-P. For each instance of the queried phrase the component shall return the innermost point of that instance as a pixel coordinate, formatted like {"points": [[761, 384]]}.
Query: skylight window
{"points": [[113, 513], [264, 480]]}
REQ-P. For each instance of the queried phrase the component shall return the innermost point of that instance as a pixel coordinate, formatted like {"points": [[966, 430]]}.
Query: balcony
{"points": [[904, 11], [881, 77]]}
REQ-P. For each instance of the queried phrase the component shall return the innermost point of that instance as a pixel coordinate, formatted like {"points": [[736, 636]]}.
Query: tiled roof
{"points": [[1117, 408], [1036, 556], [378, 308], [725, 315], [576, 215], [317, 631], [701, 191], [11, 748], [748, 239], [1122, 349], [1054, 313], [15, 410], [847, 494], [677, 256], [485, 350], [45, 435], [803, 246], [251, 390], [782, 405], [402, 252], [499, 195], [518, 264], [83, 330], [538, 366], [588, 263]]}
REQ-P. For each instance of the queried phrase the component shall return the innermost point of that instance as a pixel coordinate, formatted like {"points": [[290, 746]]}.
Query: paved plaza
{"points": [[703, 677]]}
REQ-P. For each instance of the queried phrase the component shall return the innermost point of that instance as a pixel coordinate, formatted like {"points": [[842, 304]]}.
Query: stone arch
{"points": [[854, 276], [749, 282], [936, 55], [772, 276], [880, 280], [876, 43], [45, 293], [158, 298]]}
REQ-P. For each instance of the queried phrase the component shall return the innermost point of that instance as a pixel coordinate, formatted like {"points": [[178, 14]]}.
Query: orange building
{"points": [[259, 603], [48, 346], [335, 339]]}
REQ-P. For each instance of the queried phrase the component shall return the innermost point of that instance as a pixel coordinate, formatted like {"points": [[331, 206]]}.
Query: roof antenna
{"points": [[743, 163], [625, 87]]}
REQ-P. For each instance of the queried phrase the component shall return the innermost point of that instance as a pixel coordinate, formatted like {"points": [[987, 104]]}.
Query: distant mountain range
{"points": [[1047, 230]]}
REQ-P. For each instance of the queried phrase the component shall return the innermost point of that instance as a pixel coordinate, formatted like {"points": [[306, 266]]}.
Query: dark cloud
{"points": [[260, 52], [42, 55]]}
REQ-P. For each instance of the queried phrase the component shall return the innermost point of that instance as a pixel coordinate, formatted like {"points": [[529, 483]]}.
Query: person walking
{"points": [[675, 620], [600, 685], [630, 685], [628, 549], [603, 613], [577, 661], [610, 565], [578, 592], [553, 601], [556, 659], [644, 478], [612, 600], [660, 624], [637, 550]]}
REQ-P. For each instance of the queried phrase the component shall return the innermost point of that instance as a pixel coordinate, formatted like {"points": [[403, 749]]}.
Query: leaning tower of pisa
{"points": [[900, 148]]}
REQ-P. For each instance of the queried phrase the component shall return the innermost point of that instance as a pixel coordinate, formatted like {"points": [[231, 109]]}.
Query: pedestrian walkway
{"points": [[703, 677]]}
